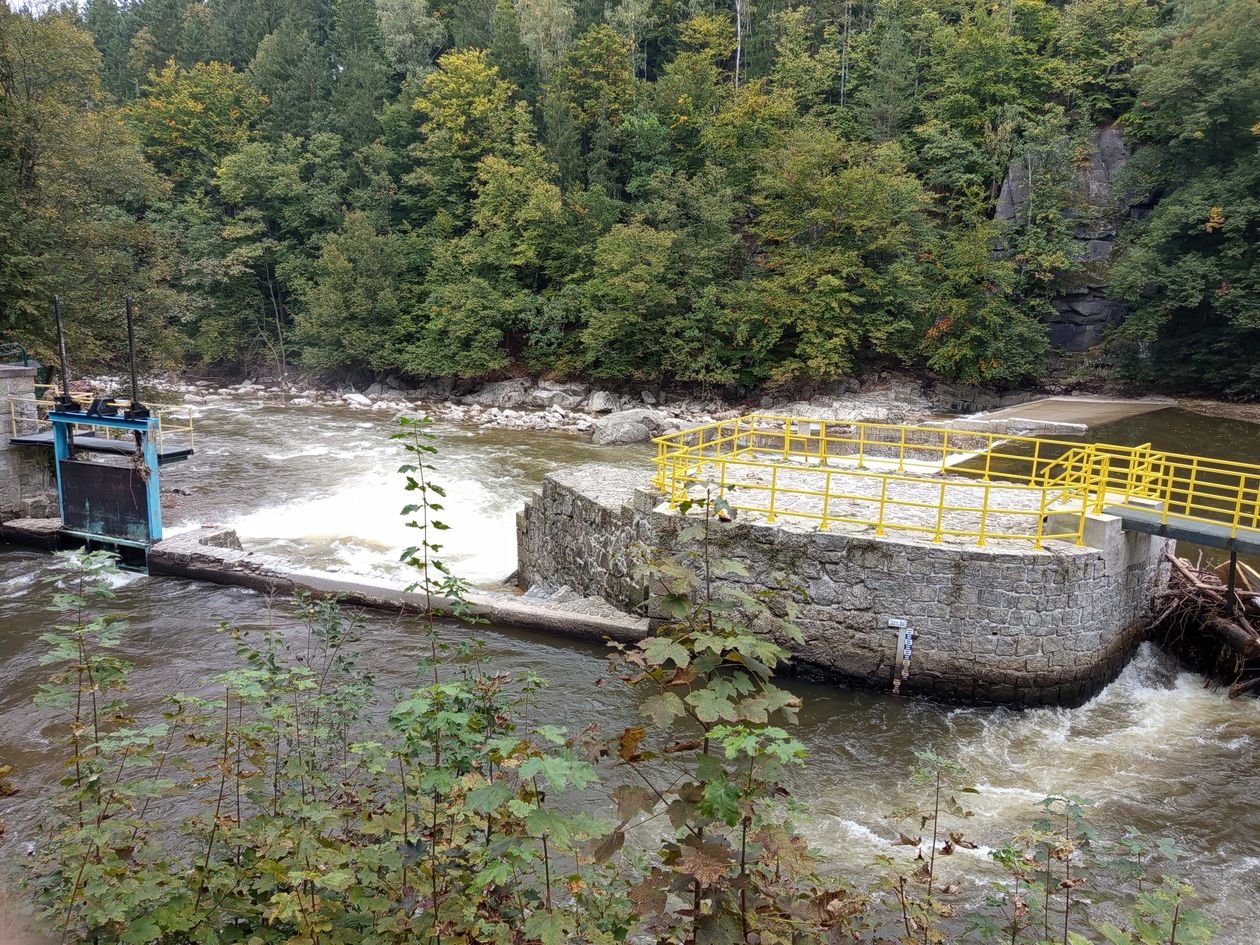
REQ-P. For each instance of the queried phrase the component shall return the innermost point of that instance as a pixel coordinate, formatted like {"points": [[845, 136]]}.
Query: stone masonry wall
{"points": [[25, 475], [996, 624], [578, 533]]}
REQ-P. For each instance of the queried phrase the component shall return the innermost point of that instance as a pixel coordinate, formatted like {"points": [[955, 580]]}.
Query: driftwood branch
{"points": [[1208, 627]]}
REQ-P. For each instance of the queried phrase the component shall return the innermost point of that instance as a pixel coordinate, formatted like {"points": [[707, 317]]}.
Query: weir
{"points": [[960, 563], [953, 562], [116, 500]]}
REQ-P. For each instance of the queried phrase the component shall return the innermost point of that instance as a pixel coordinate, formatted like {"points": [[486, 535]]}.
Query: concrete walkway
{"points": [[1090, 411]]}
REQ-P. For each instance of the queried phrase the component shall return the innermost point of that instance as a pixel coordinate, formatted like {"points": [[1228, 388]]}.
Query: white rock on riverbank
{"points": [[609, 417]]}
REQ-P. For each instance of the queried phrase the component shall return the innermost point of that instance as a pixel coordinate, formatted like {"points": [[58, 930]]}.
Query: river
{"points": [[1154, 750]]}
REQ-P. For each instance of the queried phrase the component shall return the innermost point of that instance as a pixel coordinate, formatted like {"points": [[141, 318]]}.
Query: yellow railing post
{"points": [[861, 463], [1041, 519], [774, 487], [826, 508], [787, 437], [1233, 532], [984, 514], [1105, 478], [1084, 500], [822, 444], [940, 514], [901, 452], [944, 451], [883, 501]]}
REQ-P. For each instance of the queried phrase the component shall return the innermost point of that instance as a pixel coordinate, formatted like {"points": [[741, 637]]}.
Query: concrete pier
{"points": [[26, 481], [1002, 623], [214, 554]]}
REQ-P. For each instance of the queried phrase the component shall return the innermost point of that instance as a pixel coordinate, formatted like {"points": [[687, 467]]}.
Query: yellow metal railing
{"points": [[29, 415], [942, 482]]}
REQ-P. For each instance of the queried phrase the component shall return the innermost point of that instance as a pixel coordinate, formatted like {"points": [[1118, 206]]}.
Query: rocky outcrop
{"points": [[629, 426], [1082, 309]]}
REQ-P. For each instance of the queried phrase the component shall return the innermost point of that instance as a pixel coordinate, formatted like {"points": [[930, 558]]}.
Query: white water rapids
{"points": [[1154, 750]]}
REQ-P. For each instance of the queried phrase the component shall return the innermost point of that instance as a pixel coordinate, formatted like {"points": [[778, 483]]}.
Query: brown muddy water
{"points": [[1154, 750]]}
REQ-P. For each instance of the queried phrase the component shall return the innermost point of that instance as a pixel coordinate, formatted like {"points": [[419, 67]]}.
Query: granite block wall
{"points": [[26, 481], [1004, 623]]}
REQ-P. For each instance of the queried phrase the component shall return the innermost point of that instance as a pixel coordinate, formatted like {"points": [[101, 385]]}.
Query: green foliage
{"points": [[189, 119], [1191, 271], [628, 190], [351, 305], [731, 866], [286, 802], [74, 187]]}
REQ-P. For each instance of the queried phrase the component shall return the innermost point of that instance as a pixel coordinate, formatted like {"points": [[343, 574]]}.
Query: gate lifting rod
{"points": [[64, 401], [138, 410]]}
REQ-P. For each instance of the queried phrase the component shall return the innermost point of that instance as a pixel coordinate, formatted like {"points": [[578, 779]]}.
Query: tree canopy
{"points": [[717, 194]]}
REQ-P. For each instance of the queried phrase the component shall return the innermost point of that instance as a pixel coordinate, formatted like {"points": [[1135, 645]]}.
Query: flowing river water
{"points": [[1155, 750]]}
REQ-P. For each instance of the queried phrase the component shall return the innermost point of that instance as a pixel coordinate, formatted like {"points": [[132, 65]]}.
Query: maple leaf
{"points": [[707, 862]]}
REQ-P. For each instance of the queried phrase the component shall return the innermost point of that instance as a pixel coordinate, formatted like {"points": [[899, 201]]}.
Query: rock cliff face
{"points": [[1082, 310]]}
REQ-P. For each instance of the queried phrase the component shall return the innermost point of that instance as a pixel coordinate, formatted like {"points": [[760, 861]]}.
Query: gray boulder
{"points": [[629, 426], [602, 402], [623, 431], [513, 393], [551, 394]]}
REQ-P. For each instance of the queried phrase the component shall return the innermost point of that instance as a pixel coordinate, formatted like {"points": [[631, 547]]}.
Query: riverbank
{"points": [[636, 416]]}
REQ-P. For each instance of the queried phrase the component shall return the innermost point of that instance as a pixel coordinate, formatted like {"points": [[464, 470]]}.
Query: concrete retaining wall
{"points": [[1002, 623], [25, 472]]}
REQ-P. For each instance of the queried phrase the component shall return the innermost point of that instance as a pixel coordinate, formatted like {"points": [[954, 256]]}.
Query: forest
{"points": [[737, 195]]}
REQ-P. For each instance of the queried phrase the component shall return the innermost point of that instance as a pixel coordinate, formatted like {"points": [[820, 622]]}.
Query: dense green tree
{"points": [[108, 26], [352, 307], [885, 100], [803, 69], [73, 187], [1191, 269], [288, 69], [466, 112], [360, 74], [839, 276], [975, 334], [189, 119], [411, 34], [1100, 42]]}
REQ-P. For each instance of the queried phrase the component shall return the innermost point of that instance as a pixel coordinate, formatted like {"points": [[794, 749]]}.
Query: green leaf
{"points": [[489, 797], [140, 930], [548, 928], [662, 708], [662, 650]]}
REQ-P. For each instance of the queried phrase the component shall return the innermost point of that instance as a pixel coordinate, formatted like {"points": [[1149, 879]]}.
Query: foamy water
{"points": [[1154, 750]]}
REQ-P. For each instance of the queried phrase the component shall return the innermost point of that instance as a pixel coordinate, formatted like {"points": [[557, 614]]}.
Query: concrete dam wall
{"points": [[1002, 623], [25, 475]]}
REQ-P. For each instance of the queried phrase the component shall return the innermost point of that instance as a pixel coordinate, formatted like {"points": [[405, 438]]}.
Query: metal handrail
{"points": [[29, 414], [980, 479]]}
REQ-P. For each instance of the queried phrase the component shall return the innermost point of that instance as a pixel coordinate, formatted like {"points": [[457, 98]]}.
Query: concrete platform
{"points": [[1090, 411], [214, 554], [101, 444]]}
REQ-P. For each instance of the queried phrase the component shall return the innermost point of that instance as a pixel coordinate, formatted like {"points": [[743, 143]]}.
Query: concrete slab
{"points": [[1090, 411]]}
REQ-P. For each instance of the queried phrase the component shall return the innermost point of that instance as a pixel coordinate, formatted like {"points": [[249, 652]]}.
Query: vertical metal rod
{"points": [[1231, 594], [65, 389], [61, 347], [144, 442], [131, 353]]}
